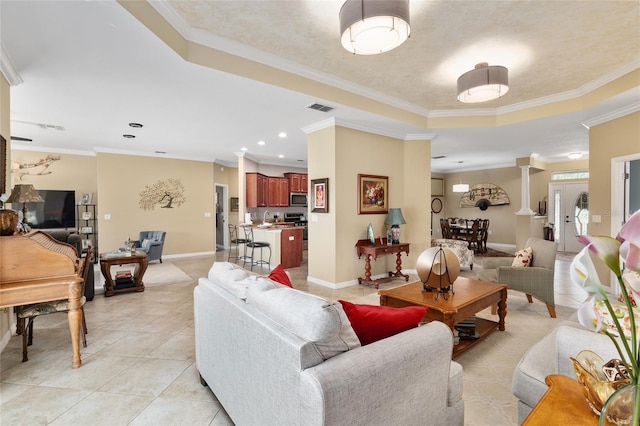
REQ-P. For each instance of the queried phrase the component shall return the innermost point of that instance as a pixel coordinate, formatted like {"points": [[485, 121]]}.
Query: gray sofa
{"points": [[273, 355], [550, 355]]}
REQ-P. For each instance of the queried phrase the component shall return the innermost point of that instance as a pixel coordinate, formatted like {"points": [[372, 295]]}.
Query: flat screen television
{"points": [[57, 211]]}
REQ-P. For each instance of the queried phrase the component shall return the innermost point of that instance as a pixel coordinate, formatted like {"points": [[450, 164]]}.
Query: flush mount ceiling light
{"points": [[575, 155], [484, 83], [369, 27]]}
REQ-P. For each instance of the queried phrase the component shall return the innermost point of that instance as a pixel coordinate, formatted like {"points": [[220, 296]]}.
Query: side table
{"points": [[379, 249], [107, 260], [563, 404]]}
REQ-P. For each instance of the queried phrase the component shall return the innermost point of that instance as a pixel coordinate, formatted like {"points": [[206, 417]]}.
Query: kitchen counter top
{"points": [[285, 240]]}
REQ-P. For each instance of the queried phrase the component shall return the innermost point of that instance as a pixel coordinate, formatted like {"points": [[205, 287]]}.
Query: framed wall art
{"points": [[234, 204], [373, 194], [86, 198], [320, 195]]}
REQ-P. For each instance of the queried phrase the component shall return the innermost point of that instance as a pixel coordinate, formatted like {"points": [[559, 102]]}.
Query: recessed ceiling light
{"points": [[282, 134], [261, 142], [243, 149], [128, 136], [135, 125], [280, 156]]}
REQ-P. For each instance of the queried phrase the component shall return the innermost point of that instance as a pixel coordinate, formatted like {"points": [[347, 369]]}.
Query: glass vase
{"points": [[619, 409]]}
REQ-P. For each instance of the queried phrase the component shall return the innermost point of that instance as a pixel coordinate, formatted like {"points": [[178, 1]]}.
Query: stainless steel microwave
{"points": [[297, 199]]}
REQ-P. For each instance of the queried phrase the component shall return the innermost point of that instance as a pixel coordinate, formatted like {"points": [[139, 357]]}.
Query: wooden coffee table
{"points": [[471, 296]]}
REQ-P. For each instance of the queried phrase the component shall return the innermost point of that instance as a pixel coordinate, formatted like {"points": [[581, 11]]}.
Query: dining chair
{"points": [[28, 313], [472, 234]]}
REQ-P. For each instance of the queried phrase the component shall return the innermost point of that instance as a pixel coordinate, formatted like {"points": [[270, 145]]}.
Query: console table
{"points": [[380, 248]]}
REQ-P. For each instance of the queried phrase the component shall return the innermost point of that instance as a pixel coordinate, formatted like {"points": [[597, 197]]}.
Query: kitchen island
{"points": [[285, 241]]}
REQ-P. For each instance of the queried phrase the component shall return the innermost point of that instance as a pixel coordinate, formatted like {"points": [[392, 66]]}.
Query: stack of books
{"points": [[467, 329], [124, 279]]}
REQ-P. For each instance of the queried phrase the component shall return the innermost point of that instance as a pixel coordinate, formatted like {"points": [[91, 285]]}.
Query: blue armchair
{"points": [[152, 243]]}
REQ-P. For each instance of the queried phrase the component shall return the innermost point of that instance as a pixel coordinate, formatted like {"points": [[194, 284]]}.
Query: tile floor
{"points": [[139, 365]]}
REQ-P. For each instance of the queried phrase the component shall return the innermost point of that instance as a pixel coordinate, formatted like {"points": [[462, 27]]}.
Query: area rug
{"points": [[159, 274], [493, 253]]}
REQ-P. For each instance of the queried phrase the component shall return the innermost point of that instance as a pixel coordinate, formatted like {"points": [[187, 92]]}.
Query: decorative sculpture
{"points": [[438, 268]]}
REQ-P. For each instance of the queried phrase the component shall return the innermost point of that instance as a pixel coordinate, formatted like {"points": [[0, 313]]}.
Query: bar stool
{"points": [[251, 246], [234, 241]]}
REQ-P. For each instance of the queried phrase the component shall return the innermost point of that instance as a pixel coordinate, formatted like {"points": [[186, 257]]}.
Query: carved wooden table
{"points": [[379, 249], [107, 260], [470, 297], [563, 404]]}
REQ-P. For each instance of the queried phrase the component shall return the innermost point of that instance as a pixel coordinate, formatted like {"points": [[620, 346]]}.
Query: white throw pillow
{"points": [[145, 244], [523, 258]]}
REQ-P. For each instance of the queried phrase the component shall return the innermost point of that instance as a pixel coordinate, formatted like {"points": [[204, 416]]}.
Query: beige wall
{"points": [[503, 218], [121, 179], [70, 172], [341, 154], [616, 138]]}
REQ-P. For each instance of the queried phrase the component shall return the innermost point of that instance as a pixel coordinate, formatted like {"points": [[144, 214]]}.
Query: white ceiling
{"points": [[90, 67]]}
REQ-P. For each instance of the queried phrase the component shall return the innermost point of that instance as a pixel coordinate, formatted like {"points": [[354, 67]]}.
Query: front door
{"points": [[569, 213]]}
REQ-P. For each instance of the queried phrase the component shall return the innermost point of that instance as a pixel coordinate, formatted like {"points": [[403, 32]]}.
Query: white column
{"points": [[525, 208]]}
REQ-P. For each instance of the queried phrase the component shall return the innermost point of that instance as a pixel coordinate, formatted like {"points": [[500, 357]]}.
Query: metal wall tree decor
{"points": [[165, 193]]}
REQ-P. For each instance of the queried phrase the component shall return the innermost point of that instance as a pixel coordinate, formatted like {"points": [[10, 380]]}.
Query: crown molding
{"points": [[7, 68], [621, 112], [17, 146], [213, 41]]}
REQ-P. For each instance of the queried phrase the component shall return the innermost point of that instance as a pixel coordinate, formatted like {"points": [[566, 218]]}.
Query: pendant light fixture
{"points": [[484, 83], [460, 187], [370, 27]]}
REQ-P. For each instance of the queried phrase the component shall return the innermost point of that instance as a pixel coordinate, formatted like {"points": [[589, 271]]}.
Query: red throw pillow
{"points": [[280, 276], [372, 323]]}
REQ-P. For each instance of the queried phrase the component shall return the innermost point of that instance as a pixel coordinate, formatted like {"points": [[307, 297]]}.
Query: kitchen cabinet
{"points": [[257, 189], [298, 182], [278, 194], [291, 247]]}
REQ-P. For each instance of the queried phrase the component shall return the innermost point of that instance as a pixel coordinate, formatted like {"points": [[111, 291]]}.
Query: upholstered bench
{"points": [[459, 247]]}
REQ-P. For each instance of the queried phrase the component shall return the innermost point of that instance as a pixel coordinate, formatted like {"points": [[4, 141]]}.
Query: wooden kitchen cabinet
{"points": [[257, 189], [291, 246], [297, 182], [278, 194]]}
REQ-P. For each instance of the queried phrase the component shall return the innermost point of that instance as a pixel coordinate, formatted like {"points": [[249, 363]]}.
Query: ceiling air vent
{"points": [[438, 157], [320, 107]]}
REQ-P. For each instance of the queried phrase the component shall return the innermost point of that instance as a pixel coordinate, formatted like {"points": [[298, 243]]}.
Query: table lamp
{"points": [[395, 219], [24, 194]]}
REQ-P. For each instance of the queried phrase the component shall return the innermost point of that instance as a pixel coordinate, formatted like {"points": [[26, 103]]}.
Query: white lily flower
{"points": [[584, 274]]}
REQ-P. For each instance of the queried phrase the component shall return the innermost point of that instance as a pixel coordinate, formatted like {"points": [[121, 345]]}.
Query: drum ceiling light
{"points": [[484, 83], [370, 27]]}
